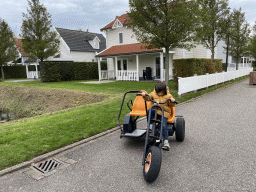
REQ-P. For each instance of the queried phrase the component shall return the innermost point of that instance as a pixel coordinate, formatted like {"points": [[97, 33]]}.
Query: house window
{"points": [[124, 64], [96, 45], [120, 38], [119, 64]]}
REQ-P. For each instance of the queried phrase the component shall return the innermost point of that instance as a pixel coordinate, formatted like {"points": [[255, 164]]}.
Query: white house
{"points": [[23, 60], [128, 60], [23, 56], [78, 46]]}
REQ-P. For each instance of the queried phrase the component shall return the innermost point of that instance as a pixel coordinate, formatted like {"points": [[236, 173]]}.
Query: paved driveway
{"points": [[218, 153]]}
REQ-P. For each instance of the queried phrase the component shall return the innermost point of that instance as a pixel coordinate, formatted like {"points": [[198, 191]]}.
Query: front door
{"points": [[122, 64], [158, 67]]}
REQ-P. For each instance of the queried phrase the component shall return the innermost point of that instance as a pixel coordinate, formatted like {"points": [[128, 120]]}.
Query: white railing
{"points": [[33, 74], [194, 83], [127, 75], [244, 65], [106, 74], [232, 66]]}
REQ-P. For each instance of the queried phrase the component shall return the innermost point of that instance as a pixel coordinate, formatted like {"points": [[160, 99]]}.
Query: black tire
{"points": [[152, 168], [180, 129]]}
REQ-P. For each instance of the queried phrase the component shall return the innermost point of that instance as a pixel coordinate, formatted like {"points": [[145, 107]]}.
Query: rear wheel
{"points": [[152, 166], [180, 129]]}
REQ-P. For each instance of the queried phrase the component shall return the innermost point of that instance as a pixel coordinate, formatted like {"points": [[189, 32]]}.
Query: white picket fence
{"points": [[232, 66], [194, 83], [107, 74], [127, 75], [33, 74]]}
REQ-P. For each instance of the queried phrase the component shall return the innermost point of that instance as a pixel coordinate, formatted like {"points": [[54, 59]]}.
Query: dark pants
{"points": [[165, 129]]}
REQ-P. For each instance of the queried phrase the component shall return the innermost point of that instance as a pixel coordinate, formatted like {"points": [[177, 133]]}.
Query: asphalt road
{"points": [[218, 153]]}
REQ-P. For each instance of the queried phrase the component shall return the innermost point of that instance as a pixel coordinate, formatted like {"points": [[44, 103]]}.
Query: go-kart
{"points": [[152, 155]]}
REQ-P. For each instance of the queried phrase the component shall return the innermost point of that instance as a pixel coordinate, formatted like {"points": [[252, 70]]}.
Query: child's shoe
{"points": [[166, 145]]}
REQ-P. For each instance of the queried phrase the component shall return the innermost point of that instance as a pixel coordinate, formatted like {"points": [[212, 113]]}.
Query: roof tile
{"points": [[127, 49], [124, 19], [19, 45]]}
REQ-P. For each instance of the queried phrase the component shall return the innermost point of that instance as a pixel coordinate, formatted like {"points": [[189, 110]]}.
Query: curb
{"points": [[55, 152], [58, 151], [71, 146]]}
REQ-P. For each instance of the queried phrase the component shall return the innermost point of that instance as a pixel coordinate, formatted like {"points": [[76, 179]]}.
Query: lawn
{"points": [[24, 139]]}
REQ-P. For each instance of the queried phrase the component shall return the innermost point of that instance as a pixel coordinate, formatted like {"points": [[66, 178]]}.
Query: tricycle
{"points": [[152, 155]]}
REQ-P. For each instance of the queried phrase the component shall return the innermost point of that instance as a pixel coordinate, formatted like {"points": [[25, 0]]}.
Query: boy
{"points": [[161, 94]]}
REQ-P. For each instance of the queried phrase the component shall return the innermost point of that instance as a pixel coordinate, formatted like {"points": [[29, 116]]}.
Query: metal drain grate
{"points": [[47, 165]]}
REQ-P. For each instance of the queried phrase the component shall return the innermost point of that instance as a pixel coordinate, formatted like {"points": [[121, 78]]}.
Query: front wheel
{"points": [[180, 129], [152, 165]]}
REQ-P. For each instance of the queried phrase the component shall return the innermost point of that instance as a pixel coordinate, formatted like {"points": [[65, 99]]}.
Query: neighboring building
{"points": [[79, 46], [23, 56], [222, 54], [23, 60]]}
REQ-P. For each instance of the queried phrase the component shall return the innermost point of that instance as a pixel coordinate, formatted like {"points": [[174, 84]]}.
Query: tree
{"points": [[239, 37], [37, 38], [8, 48], [252, 43], [163, 24], [212, 15], [227, 32]]}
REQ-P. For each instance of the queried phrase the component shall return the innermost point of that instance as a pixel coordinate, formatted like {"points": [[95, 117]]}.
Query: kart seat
{"points": [[172, 116], [138, 108]]}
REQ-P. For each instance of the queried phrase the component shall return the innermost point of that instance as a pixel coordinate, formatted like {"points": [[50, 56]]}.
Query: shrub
{"points": [[189, 67], [253, 63], [66, 71], [13, 72], [50, 71]]}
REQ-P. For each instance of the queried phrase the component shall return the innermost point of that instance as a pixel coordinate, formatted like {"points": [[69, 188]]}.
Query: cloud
{"points": [[247, 6], [62, 7]]}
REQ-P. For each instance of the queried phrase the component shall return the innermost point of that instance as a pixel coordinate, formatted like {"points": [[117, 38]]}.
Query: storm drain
{"points": [[47, 165]]}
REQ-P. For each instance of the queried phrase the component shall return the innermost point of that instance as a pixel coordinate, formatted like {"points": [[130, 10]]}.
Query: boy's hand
{"points": [[143, 94], [172, 99]]}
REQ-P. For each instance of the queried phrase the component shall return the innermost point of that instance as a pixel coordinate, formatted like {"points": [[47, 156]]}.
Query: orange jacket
{"points": [[161, 99]]}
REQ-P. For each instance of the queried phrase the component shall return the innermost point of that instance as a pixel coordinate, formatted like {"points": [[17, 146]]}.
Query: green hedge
{"points": [[189, 67], [13, 72], [67, 71], [253, 63]]}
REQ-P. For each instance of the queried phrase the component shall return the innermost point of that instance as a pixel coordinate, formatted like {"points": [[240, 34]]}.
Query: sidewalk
{"points": [[107, 163]]}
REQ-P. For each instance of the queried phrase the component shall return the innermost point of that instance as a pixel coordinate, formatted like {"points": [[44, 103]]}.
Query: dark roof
{"points": [[78, 40]]}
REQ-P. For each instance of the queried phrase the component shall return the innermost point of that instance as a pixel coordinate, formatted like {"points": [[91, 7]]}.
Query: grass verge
{"points": [[24, 139]]}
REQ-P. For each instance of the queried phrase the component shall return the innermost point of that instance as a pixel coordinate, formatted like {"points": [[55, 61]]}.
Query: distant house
{"points": [[23, 60], [79, 46], [23, 56]]}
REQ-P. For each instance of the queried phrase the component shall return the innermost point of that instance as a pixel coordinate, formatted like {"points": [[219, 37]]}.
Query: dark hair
{"points": [[161, 86]]}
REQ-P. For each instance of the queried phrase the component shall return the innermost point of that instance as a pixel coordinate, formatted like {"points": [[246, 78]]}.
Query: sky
{"points": [[89, 14]]}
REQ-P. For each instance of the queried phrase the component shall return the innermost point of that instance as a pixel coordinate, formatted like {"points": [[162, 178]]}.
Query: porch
{"points": [[33, 74], [133, 63], [128, 75]]}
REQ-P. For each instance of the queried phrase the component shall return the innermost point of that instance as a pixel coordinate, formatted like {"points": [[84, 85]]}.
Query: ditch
{"points": [[6, 115]]}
